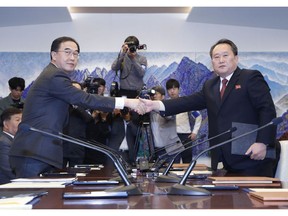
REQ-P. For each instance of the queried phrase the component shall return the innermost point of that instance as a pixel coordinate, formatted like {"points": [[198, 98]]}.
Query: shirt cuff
{"points": [[161, 106], [119, 103]]}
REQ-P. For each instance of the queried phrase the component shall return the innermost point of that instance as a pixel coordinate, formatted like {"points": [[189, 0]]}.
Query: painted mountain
{"points": [[191, 69]]}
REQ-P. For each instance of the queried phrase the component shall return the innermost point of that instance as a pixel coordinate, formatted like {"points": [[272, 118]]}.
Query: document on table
{"points": [[38, 183], [34, 185], [43, 179], [19, 199], [194, 172], [16, 203]]}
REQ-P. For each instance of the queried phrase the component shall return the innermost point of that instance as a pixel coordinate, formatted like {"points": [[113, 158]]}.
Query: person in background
{"points": [[98, 128], [123, 134], [10, 118], [132, 67], [47, 109], [78, 118], [187, 123], [233, 95], [14, 99], [166, 140]]}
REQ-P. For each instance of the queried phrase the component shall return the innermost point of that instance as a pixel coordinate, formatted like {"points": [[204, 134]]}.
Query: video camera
{"points": [[92, 87], [133, 47], [146, 93], [114, 89]]}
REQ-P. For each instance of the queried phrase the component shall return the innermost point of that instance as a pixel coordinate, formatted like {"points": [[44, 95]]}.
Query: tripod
{"points": [[144, 144]]}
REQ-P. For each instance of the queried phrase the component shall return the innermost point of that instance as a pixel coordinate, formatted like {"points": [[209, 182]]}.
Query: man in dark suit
{"points": [[10, 119], [123, 134], [247, 99], [76, 127], [46, 108]]}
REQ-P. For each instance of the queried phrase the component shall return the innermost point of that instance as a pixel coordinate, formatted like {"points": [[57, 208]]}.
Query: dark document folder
{"points": [[241, 145], [95, 194]]}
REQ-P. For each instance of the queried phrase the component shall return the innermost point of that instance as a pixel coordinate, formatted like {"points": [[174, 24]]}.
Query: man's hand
{"points": [[142, 106], [124, 48], [257, 151], [150, 105], [136, 105], [192, 136]]}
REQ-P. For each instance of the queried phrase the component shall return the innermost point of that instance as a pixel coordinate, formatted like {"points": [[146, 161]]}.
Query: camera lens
{"points": [[132, 48]]}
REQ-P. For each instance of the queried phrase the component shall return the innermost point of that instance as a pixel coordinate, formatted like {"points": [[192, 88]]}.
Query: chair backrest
{"points": [[282, 167]]}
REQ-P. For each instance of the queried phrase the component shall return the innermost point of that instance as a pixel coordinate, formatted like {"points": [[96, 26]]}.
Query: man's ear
{"points": [[5, 126], [53, 55]]}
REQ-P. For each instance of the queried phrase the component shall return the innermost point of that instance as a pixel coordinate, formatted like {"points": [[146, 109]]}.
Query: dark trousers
{"points": [[185, 155], [25, 167]]}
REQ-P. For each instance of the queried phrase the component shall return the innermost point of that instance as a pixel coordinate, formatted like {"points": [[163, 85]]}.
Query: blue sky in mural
{"points": [[191, 69]]}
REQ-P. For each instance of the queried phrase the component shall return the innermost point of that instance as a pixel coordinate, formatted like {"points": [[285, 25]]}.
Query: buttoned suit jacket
{"points": [[247, 99], [46, 108]]}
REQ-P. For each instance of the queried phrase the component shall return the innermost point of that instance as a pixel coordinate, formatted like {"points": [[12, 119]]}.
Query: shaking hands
{"points": [[142, 106]]}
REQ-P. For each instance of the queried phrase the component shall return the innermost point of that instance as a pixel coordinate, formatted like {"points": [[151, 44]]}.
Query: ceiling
{"points": [[256, 17]]}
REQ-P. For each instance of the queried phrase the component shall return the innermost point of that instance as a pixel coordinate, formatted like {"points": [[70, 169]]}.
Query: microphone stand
{"points": [[181, 189], [116, 153], [187, 142], [163, 158], [130, 188], [170, 178]]}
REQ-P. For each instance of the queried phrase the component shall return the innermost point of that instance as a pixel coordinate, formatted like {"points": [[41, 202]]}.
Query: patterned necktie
{"points": [[224, 82]]}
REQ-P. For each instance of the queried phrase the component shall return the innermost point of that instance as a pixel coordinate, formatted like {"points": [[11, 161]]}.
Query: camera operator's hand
{"points": [[124, 48]]}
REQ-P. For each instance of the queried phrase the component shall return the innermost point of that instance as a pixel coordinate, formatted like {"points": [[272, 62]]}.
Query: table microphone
{"points": [[181, 189], [130, 188], [186, 142], [170, 178], [164, 157], [115, 152], [123, 162]]}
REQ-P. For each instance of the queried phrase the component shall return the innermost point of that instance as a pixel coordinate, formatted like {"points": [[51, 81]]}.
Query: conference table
{"points": [[154, 196]]}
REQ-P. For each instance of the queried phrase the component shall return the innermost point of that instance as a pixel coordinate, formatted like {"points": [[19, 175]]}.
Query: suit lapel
{"points": [[7, 137], [215, 89]]}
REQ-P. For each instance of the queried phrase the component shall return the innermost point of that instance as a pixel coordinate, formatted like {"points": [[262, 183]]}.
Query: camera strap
{"points": [[121, 69]]}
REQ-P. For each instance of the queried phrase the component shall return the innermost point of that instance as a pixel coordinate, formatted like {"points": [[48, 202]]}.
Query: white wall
{"points": [[161, 32]]}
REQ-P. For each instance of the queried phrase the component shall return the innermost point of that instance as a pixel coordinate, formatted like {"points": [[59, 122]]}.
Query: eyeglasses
{"points": [[69, 52]]}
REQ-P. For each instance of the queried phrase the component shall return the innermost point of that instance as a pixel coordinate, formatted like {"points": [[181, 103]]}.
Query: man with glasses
{"points": [[46, 108], [14, 99]]}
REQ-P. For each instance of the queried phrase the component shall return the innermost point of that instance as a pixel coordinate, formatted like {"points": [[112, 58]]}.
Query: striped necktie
{"points": [[224, 82]]}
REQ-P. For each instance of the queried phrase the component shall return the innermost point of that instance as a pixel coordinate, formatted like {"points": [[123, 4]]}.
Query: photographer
{"points": [[132, 67], [123, 132], [94, 85], [76, 127], [98, 128]]}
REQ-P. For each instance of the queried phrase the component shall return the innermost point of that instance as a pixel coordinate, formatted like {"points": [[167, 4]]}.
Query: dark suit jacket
{"points": [[247, 99], [117, 135], [76, 128], [46, 108], [6, 173]]}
